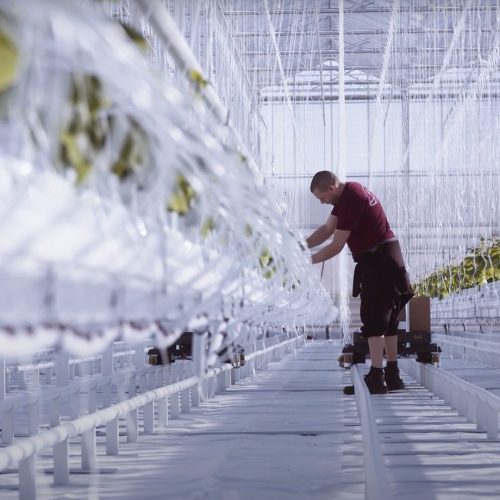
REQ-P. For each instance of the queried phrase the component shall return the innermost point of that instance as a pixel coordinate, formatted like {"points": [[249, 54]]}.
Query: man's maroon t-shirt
{"points": [[360, 212]]}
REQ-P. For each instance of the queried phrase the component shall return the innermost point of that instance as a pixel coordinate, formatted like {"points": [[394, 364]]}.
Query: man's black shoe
{"points": [[349, 390], [392, 378], [374, 380]]}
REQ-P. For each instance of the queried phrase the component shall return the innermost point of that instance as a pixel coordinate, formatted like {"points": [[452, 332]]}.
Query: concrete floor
{"points": [[289, 433]]}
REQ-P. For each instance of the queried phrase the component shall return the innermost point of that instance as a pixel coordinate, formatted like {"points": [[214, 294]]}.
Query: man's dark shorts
{"points": [[380, 278]]}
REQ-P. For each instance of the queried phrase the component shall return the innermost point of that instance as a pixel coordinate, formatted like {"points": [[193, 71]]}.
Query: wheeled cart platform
{"points": [[418, 344]]}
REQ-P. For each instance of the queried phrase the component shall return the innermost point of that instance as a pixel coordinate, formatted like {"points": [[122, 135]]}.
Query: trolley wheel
{"points": [[436, 358], [340, 359], [345, 360], [424, 357]]}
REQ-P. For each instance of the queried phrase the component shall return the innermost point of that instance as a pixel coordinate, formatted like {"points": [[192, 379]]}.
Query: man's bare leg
{"points": [[391, 348], [375, 378], [376, 346]]}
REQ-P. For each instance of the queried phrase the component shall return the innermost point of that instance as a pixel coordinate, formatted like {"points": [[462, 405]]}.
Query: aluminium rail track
{"points": [[434, 445]]}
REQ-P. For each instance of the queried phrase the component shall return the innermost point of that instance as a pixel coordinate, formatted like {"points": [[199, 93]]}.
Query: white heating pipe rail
{"points": [[376, 483], [25, 399], [167, 31], [21, 370], [24, 451], [473, 344], [30, 367], [477, 404], [70, 389], [93, 382], [31, 401], [51, 364], [71, 361]]}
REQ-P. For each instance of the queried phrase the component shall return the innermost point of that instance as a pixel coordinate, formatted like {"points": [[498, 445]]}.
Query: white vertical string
{"points": [[381, 85], [343, 288]]}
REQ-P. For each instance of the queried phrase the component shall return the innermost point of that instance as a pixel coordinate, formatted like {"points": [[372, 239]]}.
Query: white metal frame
{"points": [[183, 395]]}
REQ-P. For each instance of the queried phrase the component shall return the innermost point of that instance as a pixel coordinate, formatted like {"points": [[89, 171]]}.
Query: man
{"points": [[358, 219]]}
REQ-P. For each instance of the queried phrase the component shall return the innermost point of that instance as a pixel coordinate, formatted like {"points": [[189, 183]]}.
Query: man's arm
{"points": [[339, 240], [323, 232]]}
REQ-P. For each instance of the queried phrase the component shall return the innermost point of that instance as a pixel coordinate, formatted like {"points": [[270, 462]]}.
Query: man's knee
{"points": [[372, 331], [391, 332]]}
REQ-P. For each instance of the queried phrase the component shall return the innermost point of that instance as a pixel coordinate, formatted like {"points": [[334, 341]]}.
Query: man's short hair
{"points": [[322, 180]]}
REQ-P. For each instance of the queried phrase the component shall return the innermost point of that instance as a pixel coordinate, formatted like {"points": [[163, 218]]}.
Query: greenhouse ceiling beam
{"points": [[364, 10], [458, 226], [361, 97], [361, 67], [438, 234], [381, 32], [364, 84], [334, 52], [424, 227], [392, 173], [416, 85], [304, 83], [318, 98]]}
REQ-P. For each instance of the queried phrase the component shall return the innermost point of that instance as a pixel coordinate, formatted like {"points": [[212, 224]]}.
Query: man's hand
{"points": [[340, 238], [323, 232]]}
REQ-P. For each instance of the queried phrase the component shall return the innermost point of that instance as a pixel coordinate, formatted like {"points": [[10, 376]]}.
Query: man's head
{"points": [[326, 187]]}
